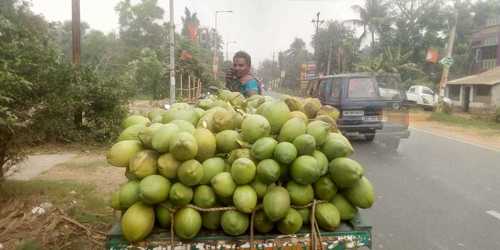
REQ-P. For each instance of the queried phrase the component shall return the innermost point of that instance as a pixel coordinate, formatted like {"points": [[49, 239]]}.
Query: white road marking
{"points": [[454, 139], [494, 213]]}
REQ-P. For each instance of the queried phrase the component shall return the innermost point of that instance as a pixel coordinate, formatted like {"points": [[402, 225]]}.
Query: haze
{"points": [[259, 27]]}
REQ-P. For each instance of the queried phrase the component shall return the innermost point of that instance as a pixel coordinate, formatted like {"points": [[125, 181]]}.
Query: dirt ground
{"points": [[485, 137], [88, 168]]}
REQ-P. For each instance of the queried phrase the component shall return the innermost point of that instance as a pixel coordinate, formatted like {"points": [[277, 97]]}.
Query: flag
{"points": [[432, 55]]}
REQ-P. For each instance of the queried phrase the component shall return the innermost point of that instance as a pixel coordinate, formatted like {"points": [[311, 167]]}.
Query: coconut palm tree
{"points": [[372, 16]]}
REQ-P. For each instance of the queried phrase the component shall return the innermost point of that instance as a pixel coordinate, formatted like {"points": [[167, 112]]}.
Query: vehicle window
{"points": [[336, 87], [411, 90], [362, 88], [427, 91]]}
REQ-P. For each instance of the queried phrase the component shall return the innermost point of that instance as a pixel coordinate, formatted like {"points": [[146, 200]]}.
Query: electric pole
{"points": [[317, 22], [75, 28], [449, 52], [172, 53], [329, 58]]}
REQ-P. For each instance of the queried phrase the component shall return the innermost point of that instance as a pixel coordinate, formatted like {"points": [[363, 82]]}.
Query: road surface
{"points": [[433, 193]]}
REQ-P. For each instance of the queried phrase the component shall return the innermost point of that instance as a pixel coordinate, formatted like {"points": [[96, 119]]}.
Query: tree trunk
{"points": [[373, 41]]}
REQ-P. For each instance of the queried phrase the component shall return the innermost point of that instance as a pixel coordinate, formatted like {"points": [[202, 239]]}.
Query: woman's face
{"points": [[241, 67]]}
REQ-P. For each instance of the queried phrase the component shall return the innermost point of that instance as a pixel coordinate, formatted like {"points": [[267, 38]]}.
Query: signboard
{"points": [[446, 61], [307, 71]]}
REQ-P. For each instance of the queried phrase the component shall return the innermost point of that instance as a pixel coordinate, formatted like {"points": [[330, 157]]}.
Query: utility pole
{"points": [[317, 22], [329, 58], [75, 28], [172, 53], [449, 52], [215, 60]]}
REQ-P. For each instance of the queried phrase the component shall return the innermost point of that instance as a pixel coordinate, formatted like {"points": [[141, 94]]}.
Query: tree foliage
{"points": [[42, 97]]}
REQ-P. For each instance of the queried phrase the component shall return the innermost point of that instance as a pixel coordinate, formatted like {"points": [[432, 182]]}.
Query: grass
{"points": [[468, 122], [81, 201]]}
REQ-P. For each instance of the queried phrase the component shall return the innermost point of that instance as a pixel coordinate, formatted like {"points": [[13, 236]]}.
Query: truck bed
{"points": [[350, 235]]}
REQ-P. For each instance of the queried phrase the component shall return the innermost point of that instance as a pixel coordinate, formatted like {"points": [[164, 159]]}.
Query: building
{"points": [[476, 92], [486, 46]]}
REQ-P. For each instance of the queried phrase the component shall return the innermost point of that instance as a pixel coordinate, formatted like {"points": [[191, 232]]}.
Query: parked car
{"points": [[422, 96]]}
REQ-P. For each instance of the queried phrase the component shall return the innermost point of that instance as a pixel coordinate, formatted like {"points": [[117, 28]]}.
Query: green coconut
{"points": [[276, 112], [268, 171], [134, 120], [299, 114], [120, 153], [243, 171], [190, 173], [168, 165], [255, 127], [144, 163], [285, 152], [330, 111], [319, 130], [336, 145], [212, 167], [184, 126], [234, 223], [160, 140], [207, 144], [245, 198], [183, 146], [305, 144], [292, 129], [137, 222], [204, 196], [187, 223], [311, 107], [223, 185], [227, 141], [263, 148], [305, 170], [154, 189], [146, 135], [131, 132], [180, 194]]}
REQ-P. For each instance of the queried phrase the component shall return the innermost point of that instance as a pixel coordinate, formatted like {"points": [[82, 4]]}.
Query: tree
{"points": [[291, 60], [372, 17], [40, 93], [142, 26], [148, 74], [189, 22], [337, 44], [392, 61], [268, 70]]}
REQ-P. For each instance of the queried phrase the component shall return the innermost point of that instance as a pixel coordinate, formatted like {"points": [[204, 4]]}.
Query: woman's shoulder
{"points": [[247, 78]]}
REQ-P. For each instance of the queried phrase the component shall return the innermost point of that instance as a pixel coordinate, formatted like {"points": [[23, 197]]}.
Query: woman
{"points": [[247, 84]]}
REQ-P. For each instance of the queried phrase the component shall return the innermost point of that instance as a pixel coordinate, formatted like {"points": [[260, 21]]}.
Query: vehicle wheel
{"points": [[427, 108], [369, 137]]}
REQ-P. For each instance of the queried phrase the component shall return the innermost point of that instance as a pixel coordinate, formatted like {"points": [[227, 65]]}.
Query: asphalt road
{"points": [[433, 193]]}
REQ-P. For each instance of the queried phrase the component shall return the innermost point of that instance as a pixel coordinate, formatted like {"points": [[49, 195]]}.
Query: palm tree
{"points": [[372, 16]]}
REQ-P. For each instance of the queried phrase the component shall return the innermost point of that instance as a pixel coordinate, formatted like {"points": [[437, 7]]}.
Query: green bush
{"points": [[42, 97]]}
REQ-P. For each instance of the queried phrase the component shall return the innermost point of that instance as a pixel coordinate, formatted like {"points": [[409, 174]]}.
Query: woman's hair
{"points": [[244, 55]]}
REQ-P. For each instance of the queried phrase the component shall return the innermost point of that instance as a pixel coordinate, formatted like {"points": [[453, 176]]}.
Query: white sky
{"points": [[258, 26]]}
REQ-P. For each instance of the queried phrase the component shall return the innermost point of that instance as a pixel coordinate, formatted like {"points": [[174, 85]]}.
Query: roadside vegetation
{"points": [[466, 120]]}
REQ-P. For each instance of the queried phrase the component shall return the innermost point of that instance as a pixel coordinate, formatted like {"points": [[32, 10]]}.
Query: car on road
{"points": [[422, 96], [357, 97]]}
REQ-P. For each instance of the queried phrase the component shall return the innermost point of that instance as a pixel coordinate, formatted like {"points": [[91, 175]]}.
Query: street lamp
{"points": [[227, 48], [215, 59]]}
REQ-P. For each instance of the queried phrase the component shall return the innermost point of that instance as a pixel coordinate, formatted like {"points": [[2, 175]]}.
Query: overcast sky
{"points": [[258, 26]]}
